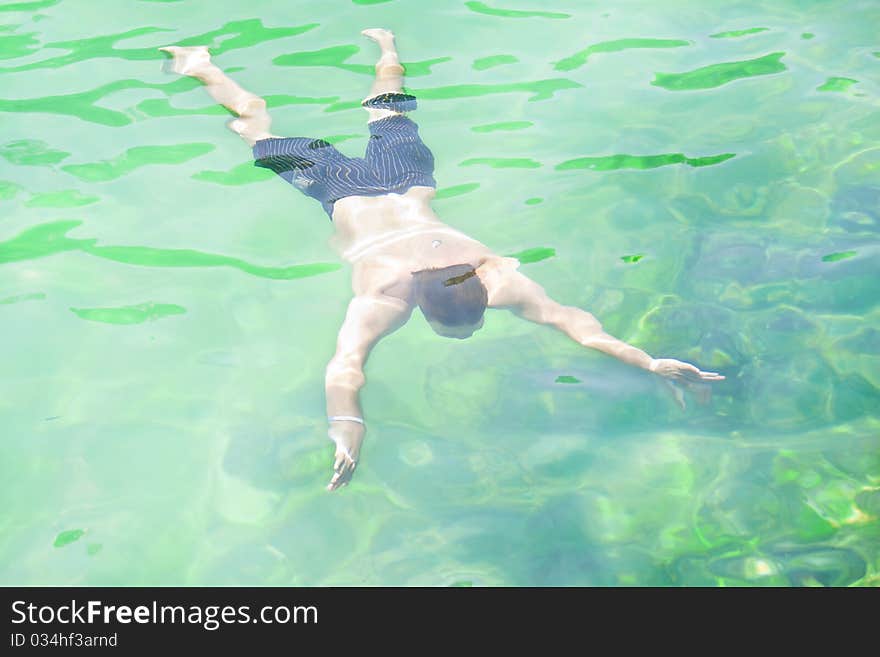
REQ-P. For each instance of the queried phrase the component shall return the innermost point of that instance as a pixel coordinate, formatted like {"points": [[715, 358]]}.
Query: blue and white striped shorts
{"points": [[395, 160]]}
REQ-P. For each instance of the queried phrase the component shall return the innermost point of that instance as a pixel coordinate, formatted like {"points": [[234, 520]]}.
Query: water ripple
{"points": [[137, 314], [92, 48], [492, 61], [535, 254], [838, 85], [735, 34], [483, 8], [243, 174], [161, 107], [502, 125], [455, 190], [18, 298], [624, 161], [540, 89], [715, 75], [28, 6], [242, 34], [503, 162], [17, 45], [51, 238], [336, 57], [67, 198], [8, 190], [617, 45], [82, 104], [136, 157], [31, 152]]}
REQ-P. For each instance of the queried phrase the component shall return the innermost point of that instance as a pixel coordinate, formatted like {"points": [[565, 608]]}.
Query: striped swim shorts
{"points": [[395, 160]]}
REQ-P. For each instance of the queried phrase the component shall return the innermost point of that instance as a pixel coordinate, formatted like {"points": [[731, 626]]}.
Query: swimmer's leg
{"points": [[253, 120], [389, 72]]}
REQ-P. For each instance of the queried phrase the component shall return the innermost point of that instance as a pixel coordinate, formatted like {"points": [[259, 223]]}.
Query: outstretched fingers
{"points": [[679, 376], [343, 469], [692, 373], [706, 376]]}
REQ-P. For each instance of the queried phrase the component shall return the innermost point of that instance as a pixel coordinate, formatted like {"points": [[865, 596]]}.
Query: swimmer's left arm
{"points": [[521, 295], [512, 290]]}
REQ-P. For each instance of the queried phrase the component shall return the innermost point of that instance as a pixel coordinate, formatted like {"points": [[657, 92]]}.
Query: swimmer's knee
{"points": [[245, 130], [251, 129], [255, 106], [388, 72], [388, 67], [238, 126]]}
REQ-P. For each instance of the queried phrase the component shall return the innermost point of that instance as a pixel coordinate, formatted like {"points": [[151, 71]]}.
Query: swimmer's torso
{"points": [[388, 237]]}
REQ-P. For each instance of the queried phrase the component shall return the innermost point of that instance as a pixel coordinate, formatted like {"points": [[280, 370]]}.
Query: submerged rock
{"points": [[752, 569], [856, 208], [782, 397], [692, 571], [859, 170], [869, 502], [737, 509], [825, 566], [854, 397], [857, 458], [731, 257], [678, 327]]}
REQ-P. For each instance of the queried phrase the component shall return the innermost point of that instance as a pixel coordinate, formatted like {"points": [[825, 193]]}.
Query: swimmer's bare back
{"points": [[390, 236]]}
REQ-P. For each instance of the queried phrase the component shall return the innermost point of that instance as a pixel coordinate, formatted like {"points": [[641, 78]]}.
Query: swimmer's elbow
{"points": [[573, 318], [587, 329], [592, 326], [543, 310], [345, 372]]}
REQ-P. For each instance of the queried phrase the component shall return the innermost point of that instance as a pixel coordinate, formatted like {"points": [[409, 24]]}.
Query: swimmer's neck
{"points": [[358, 219]]}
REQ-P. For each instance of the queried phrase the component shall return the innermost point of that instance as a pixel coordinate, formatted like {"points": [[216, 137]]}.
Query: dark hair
{"points": [[453, 296]]}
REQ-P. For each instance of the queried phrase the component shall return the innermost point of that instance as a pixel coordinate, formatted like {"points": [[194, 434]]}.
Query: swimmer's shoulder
{"points": [[500, 264], [495, 269]]}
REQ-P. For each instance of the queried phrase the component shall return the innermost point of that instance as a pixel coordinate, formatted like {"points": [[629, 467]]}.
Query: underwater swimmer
{"points": [[401, 254]]}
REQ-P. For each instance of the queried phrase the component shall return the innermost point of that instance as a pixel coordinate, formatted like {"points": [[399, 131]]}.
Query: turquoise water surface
{"points": [[703, 177]]}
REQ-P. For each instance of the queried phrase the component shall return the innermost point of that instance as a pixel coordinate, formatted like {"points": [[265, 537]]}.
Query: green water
{"points": [[704, 177]]}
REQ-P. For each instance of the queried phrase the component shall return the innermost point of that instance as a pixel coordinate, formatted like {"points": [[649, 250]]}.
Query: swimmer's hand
{"points": [[675, 370], [348, 437], [678, 375]]}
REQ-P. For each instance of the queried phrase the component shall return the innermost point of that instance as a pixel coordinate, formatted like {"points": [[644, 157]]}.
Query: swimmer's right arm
{"points": [[369, 318]]}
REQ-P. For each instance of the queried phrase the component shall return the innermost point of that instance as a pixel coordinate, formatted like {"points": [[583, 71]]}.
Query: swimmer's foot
{"points": [[348, 436], [188, 60], [385, 38], [388, 65]]}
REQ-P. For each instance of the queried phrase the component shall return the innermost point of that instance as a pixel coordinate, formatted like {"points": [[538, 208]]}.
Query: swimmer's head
{"points": [[452, 299]]}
